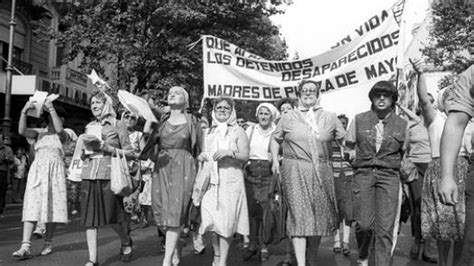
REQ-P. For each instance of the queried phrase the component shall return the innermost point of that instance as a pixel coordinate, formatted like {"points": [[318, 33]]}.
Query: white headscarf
{"points": [[220, 131], [222, 127], [309, 116], [273, 110]]}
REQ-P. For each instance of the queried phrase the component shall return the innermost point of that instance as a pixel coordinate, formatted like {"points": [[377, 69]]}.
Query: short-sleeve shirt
{"points": [[293, 133], [462, 100]]}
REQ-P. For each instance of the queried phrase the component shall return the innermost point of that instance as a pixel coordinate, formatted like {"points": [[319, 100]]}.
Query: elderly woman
{"points": [[45, 195], [305, 135], [99, 205], [259, 178], [178, 141], [137, 203], [224, 205]]}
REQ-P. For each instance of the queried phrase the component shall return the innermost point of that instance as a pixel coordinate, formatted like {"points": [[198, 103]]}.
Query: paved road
{"points": [[70, 248]]}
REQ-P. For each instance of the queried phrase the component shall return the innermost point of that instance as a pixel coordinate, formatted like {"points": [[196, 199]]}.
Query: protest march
{"points": [[176, 133]]}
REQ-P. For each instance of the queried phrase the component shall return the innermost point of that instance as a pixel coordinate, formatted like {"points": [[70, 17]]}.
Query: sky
{"points": [[311, 27]]}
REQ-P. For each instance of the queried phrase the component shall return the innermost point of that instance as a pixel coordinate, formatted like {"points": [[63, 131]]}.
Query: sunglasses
{"points": [[311, 91], [130, 117], [384, 94]]}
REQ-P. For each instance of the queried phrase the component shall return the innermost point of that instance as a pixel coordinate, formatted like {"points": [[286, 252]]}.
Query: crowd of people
{"points": [[220, 179]]}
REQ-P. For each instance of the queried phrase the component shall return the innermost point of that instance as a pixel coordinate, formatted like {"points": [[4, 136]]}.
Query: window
{"points": [[4, 53]]}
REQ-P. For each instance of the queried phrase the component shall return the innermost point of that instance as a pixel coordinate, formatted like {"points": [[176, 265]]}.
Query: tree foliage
{"points": [[146, 42], [450, 35]]}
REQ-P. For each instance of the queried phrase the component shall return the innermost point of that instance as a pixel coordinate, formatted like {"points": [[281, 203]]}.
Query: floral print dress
{"points": [[45, 195]]}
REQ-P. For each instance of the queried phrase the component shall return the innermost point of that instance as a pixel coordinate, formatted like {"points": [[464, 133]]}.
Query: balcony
{"points": [[24, 67]]}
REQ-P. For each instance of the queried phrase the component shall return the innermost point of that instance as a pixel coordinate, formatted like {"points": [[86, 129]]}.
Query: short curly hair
{"points": [[290, 101]]}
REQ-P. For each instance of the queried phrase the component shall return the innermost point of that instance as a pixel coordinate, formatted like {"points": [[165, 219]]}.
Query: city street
{"points": [[70, 248]]}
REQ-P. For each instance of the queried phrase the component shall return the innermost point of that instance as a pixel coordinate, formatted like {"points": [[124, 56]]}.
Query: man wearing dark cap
{"points": [[378, 139]]}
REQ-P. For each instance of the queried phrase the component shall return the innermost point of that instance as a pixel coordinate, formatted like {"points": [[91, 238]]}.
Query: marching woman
{"points": [[45, 195], [259, 178], [99, 205], [440, 222], [305, 135], [224, 205], [178, 141]]}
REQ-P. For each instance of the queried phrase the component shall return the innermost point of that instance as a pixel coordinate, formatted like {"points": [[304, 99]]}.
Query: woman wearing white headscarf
{"points": [[224, 205], [259, 178], [306, 136], [99, 205], [174, 145]]}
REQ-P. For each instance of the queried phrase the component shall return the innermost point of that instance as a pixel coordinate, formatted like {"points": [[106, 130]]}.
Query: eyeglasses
{"points": [[384, 94], [310, 91], [130, 117], [223, 108]]}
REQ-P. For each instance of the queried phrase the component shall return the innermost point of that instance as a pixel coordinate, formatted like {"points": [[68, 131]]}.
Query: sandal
{"points": [[337, 247], [47, 248], [264, 255], [346, 250], [126, 257], [24, 252]]}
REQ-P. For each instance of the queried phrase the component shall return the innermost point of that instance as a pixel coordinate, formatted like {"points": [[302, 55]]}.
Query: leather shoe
{"points": [[415, 250], [429, 259], [249, 254]]}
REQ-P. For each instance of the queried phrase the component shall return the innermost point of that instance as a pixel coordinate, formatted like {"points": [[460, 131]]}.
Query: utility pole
{"points": [[9, 69]]}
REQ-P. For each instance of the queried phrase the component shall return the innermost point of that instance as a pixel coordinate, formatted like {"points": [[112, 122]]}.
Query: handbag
{"points": [[408, 171], [274, 215], [120, 180]]}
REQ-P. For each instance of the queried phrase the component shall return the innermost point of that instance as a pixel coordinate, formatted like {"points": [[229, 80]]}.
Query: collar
{"points": [[108, 120], [314, 108], [376, 118]]}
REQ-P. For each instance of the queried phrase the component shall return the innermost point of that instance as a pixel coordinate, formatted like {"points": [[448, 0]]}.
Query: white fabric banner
{"points": [[367, 55]]}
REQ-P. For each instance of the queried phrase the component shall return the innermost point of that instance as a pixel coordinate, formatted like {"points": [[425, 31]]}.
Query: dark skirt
{"points": [[99, 205], [258, 182]]}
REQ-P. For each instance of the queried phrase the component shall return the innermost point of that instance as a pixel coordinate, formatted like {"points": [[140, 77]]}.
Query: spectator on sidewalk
{"points": [[19, 172], [6, 160]]}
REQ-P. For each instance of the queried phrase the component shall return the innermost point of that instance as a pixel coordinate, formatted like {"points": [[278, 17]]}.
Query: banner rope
{"points": [[193, 44]]}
